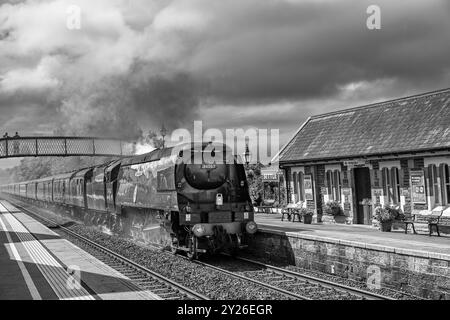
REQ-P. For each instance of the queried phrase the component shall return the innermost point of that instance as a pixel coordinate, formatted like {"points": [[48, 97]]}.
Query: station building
{"points": [[394, 152]]}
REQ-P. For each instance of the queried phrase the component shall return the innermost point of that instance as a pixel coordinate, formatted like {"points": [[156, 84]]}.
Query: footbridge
{"points": [[63, 147]]}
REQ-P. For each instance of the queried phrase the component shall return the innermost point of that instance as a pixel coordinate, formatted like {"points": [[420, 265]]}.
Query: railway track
{"points": [[142, 277], [295, 285]]}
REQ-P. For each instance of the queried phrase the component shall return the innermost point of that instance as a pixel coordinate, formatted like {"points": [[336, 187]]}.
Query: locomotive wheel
{"points": [[233, 245], [192, 245]]}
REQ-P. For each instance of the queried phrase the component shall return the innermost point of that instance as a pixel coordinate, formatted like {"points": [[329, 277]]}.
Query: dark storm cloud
{"points": [[269, 63], [309, 50]]}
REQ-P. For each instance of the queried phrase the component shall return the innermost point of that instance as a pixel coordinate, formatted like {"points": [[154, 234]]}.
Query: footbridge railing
{"points": [[63, 147]]}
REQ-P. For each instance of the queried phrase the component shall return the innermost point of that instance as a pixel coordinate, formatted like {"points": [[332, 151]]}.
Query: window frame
{"points": [[334, 185], [433, 174]]}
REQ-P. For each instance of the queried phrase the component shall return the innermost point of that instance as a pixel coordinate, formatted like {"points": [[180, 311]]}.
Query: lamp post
{"points": [[163, 132], [247, 156]]}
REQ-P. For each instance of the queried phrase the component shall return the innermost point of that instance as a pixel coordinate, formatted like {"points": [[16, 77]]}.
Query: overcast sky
{"points": [[237, 63]]}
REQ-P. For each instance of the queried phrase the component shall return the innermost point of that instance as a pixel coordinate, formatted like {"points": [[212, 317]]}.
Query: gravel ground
{"points": [[292, 284]]}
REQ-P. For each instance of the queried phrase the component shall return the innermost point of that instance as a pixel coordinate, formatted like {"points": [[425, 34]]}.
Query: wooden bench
{"points": [[264, 209], [432, 220], [291, 210]]}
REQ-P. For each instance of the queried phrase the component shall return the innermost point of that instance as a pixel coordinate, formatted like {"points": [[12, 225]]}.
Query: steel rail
{"points": [[265, 285], [326, 283]]}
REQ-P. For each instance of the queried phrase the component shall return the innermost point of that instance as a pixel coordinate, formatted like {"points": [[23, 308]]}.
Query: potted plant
{"points": [[306, 215], [385, 216], [396, 212], [333, 208]]}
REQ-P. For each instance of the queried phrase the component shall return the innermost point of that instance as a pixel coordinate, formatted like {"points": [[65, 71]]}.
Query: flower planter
{"points": [[307, 219], [386, 226], [340, 219]]}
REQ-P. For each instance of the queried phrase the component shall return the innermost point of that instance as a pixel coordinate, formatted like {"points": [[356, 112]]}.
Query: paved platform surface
{"points": [[361, 235], [35, 263]]}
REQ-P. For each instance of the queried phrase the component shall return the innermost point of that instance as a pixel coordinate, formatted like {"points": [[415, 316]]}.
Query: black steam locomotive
{"points": [[187, 198]]}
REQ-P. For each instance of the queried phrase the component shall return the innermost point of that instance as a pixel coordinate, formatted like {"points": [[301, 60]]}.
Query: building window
{"points": [[446, 171], [434, 183], [301, 189], [334, 184], [295, 183], [395, 185], [391, 184]]}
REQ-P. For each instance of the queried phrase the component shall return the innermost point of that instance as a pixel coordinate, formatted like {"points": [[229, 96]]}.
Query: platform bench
{"points": [[432, 220], [291, 210], [264, 209]]}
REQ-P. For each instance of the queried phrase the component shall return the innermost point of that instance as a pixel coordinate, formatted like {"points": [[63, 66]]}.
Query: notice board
{"points": [[418, 186]]}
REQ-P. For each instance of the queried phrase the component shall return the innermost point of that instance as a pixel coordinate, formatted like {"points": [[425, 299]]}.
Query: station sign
{"points": [[270, 175], [356, 163]]}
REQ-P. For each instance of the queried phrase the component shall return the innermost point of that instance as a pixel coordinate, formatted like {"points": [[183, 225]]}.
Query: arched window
{"points": [[295, 182], [446, 181], [395, 185], [329, 181], [334, 184], [391, 184], [301, 188], [434, 183], [337, 185]]}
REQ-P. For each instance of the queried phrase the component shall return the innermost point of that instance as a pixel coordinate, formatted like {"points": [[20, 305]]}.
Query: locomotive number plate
{"points": [[188, 217], [245, 215], [208, 166]]}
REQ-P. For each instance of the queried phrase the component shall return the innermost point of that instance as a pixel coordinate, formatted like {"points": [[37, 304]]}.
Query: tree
{"points": [[257, 185]]}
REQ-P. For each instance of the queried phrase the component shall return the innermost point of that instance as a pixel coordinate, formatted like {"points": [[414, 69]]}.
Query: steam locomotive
{"points": [[191, 198]]}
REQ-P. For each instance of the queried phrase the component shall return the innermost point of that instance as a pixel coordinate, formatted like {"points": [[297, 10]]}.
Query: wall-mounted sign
{"points": [[418, 186], [356, 163], [377, 192], [309, 195], [347, 193], [270, 175]]}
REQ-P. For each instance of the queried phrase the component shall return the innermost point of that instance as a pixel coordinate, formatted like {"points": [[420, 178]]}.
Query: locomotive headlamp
{"points": [[188, 208], [251, 227], [199, 230]]}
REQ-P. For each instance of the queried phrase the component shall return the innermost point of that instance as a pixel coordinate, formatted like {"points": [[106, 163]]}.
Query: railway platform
{"points": [[361, 235], [37, 264], [414, 263]]}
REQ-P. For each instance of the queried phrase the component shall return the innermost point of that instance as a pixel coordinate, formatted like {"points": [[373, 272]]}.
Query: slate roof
{"points": [[416, 123]]}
